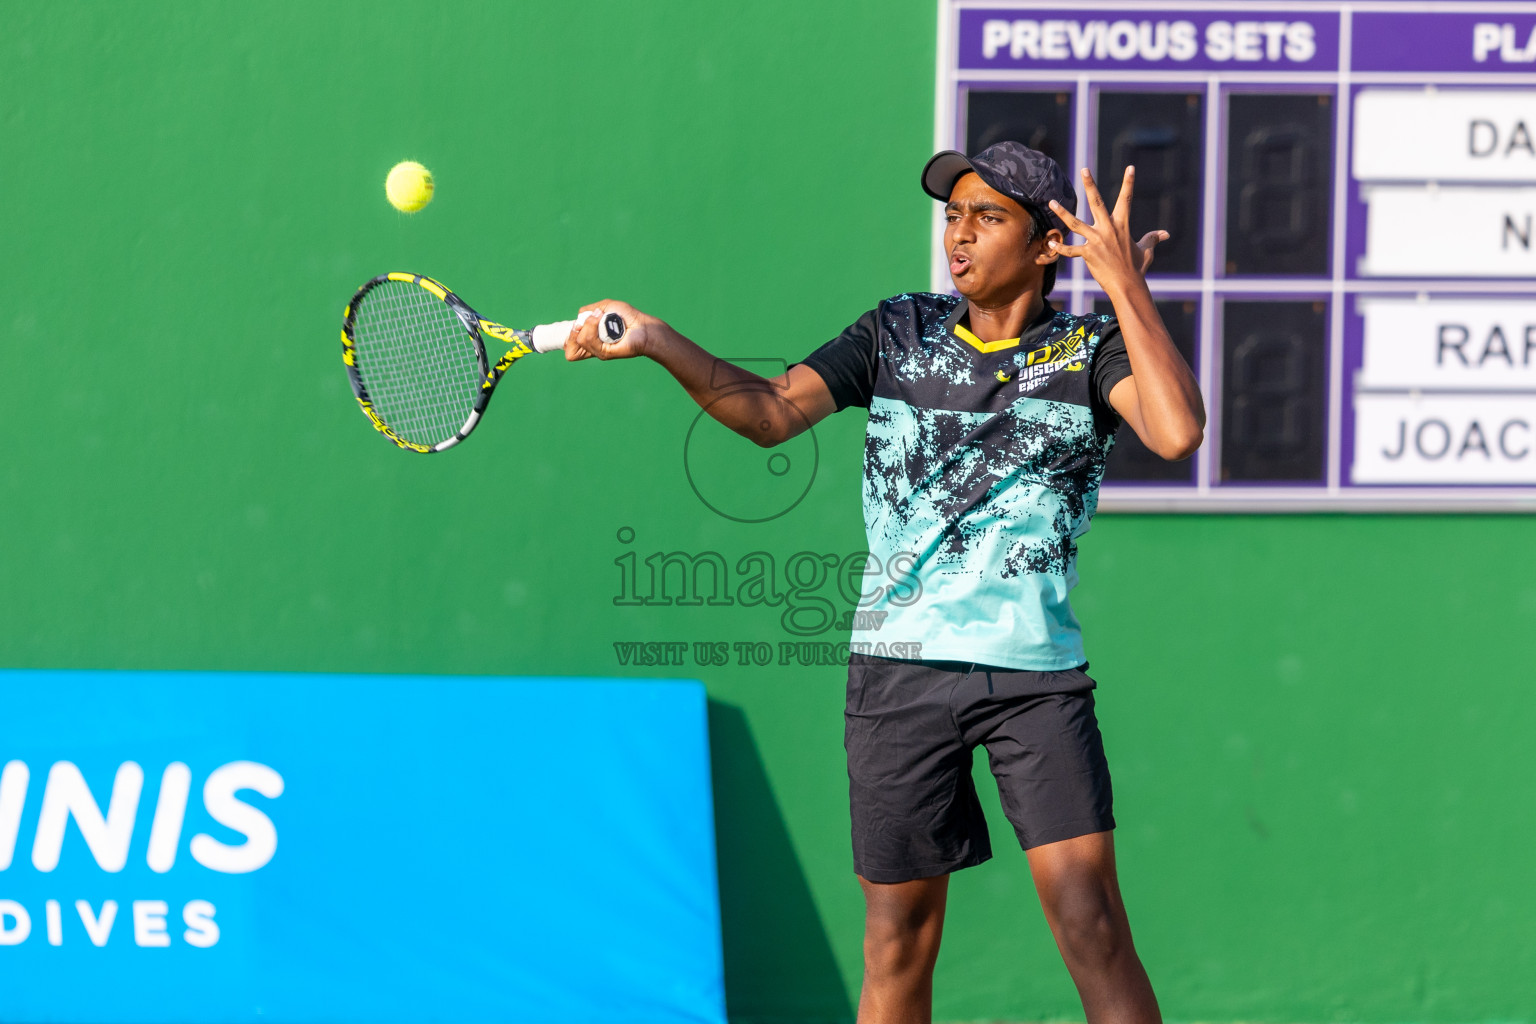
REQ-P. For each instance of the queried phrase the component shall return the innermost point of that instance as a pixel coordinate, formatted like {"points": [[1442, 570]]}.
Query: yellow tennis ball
{"points": [[409, 186]]}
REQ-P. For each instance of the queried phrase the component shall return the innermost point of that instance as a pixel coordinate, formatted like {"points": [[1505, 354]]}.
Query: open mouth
{"points": [[959, 263]]}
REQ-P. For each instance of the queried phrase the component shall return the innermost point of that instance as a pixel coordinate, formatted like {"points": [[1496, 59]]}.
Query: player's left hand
{"points": [[1107, 250]]}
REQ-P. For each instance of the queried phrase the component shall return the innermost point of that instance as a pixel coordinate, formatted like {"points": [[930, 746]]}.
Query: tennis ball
{"points": [[409, 186]]}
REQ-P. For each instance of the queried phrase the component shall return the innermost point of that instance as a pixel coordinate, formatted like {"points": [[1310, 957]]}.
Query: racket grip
{"points": [[551, 337]]}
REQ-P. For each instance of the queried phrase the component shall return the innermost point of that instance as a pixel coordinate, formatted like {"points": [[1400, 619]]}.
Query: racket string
{"points": [[434, 377], [417, 361]]}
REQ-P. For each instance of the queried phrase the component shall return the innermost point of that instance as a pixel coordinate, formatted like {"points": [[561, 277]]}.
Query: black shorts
{"points": [[910, 729]]}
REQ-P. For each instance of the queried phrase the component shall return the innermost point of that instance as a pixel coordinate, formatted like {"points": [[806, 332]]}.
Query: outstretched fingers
{"points": [[1063, 249], [1068, 218], [1095, 200], [1122, 214]]}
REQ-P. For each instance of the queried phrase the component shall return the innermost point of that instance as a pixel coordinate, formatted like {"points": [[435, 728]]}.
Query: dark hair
{"points": [[1039, 224]]}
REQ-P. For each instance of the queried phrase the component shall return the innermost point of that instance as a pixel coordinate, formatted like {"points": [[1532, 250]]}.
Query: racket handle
{"points": [[612, 328], [551, 337]]}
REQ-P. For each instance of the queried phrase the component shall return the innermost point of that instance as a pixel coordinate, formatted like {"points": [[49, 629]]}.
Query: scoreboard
{"points": [[1351, 192]]}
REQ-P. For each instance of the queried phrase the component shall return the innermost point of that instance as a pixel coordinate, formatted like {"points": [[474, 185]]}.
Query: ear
{"points": [[1047, 255]]}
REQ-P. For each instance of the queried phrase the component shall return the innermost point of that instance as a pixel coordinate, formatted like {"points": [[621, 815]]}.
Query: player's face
{"points": [[985, 238]]}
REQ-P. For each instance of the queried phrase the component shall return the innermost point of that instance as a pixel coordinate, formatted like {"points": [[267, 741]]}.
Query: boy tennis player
{"points": [[990, 417]]}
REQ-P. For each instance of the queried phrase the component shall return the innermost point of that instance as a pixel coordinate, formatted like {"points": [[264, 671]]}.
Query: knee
{"points": [[890, 953], [1089, 925], [897, 944]]}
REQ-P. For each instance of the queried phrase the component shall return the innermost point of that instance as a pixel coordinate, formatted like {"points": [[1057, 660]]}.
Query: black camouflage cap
{"points": [[1027, 176]]}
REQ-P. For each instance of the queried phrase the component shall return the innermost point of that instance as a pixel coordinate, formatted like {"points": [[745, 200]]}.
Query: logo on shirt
{"points": [[1063, 354]]}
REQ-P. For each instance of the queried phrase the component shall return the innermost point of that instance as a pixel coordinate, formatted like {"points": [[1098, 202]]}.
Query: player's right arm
{"points": [[765, 410]]}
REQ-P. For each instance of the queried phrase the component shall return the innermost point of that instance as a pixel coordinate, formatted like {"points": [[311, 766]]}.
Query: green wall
{"points": [[1319, 726]]}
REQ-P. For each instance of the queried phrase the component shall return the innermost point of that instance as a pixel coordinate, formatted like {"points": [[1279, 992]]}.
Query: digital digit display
{"points": [[1351, 191], [1161, 133], [1273, 405], [1279, 169], [1040, 120]]}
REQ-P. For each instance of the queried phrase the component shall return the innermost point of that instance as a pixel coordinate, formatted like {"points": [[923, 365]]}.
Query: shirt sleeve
{"points": [[848, 363], [1111, 365]]}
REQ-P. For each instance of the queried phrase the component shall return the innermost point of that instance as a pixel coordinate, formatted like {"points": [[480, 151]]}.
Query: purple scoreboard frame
{"points": [[1344, 49]]}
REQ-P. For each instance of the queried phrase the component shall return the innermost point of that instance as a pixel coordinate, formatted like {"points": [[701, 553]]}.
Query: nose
{"points": [[961, 230]]}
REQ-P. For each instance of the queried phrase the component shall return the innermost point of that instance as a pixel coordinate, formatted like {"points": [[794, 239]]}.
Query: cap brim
{"points": [[941, 173]]}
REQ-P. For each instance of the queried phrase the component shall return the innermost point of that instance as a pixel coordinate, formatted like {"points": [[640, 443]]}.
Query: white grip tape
{"points": [[551, 337]]}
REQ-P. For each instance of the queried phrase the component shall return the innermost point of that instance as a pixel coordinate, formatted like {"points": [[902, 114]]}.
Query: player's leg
{"points": [[1047, 755], [1081, 898], [915, 817], [903, 923]]}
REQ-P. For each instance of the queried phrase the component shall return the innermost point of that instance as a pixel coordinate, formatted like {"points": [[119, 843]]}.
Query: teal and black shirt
{"points": [[982, 465]]}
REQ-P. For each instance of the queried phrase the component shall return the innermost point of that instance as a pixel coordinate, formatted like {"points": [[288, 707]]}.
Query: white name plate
{"points": [[1448, 343], [1445, 135], [1463, 231], [1445, 439]]}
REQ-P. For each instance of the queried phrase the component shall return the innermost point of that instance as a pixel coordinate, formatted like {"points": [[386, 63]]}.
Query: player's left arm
{"points": [[1161, 399]]}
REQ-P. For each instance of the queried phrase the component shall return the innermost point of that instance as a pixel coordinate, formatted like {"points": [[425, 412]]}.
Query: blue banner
{"points": [[212, 847]]}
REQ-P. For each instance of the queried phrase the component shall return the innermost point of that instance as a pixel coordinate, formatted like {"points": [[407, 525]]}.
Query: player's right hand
{"points": [[585, 342], [1111, 256]]}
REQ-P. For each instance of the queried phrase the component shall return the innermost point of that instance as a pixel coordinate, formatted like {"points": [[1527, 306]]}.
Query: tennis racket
{"points": [[415, 354]]}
